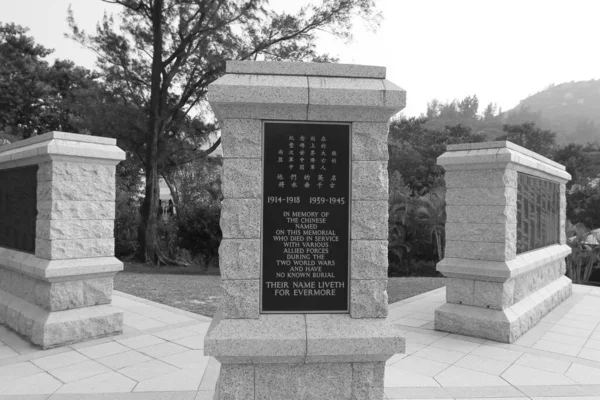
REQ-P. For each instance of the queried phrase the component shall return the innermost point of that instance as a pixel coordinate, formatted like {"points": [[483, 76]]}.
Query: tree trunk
{"points": [[147, 232]]}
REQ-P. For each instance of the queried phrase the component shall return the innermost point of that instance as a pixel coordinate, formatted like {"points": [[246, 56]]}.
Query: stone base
{"points": [[302, 356], [503, 325], [331, 381], [49, 329]]}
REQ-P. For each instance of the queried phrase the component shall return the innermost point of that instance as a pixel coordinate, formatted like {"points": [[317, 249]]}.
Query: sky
{"points": [[500, 50]]}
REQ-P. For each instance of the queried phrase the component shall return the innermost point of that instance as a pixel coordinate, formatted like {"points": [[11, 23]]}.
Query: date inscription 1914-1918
{"points": [[305, 243]]}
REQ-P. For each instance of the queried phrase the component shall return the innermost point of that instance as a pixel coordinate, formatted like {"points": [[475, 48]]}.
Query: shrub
{"points": [[199, 232], [416, 233], [127, 218], [584, 258]]}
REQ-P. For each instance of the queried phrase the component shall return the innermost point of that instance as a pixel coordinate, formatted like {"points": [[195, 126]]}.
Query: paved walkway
{"points": [[160, 356]]}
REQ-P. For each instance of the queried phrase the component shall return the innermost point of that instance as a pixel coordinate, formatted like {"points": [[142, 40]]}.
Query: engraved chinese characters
{"points": [[306, 189]]}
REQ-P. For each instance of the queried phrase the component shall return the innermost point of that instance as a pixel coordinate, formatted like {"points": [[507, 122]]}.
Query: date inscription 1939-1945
{"points": [[305, 244]]}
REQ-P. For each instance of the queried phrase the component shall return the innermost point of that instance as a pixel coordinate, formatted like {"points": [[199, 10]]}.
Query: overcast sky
{"points": [[500, 50]]}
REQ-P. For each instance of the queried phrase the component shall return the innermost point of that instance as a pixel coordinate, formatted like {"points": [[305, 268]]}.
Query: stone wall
{"points": [[491, 291], [62, 293]]}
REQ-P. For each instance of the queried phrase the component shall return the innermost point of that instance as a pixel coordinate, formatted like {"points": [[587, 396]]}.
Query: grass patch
{"points": [[199, 291]]}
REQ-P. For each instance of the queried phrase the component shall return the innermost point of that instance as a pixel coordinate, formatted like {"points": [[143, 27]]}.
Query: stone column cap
{"points": [[304, 69], [305, 92], [302, 338], [498, 155], [61, 146]]}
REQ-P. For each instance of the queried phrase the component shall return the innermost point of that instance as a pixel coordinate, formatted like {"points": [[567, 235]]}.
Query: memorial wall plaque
{"points": [[18, 208], [306, 218]]}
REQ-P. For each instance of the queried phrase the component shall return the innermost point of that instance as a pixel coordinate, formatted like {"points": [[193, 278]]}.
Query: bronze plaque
{"points": [[18, 208], [306, 218]]}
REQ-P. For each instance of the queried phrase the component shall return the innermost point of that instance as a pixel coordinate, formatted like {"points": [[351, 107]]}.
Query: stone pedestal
{"points": [[295, 356], [61, 292], [498, 287]]}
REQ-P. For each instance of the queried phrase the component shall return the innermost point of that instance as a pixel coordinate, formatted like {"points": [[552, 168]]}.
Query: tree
{"points": [[414, 150], [34, 97], [531, 137], [165, 53], [574, 159]]}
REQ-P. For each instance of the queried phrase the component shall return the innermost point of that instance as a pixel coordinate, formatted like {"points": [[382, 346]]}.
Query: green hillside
{"points": [[572, 110]]}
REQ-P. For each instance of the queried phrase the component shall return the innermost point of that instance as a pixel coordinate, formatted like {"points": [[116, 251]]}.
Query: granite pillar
{"points": [[58, 291], [302, 355]]}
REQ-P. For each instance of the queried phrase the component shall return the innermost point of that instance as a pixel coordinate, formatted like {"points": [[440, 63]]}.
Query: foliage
{"points": [[199, 232], [465, 112], [584, 258], [414, 149], [198, 182], [583, 205], [126, 220], [416, 235], [531, 137], [574, 159], [164, 53], [34, 97]]}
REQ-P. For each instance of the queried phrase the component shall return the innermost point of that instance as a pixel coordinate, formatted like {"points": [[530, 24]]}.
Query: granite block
{"points": [[242, 178], [496, 295], [240, 298], [16, 284], [74, 229], [343, 92], [259, 89], [29, 283], [460, 291], [4, 279], [369, 259], [75, 172], [489, 251], [305, 69], [76, 191], [481, 196], [473, 321], [367, 380], [239, 258], [271, 335], [537, 278], [368, 298], [68, 209], [236, 382], [74, 248], [331, 381], [350, 113], [474, 232], [97, 291], [53, 270], [481, 214], [369, 219], [240, 218], [290, 112], [394, 95], [481, 178], [369, 141], [71, 326], [336, 337], [242, 138], [63, 295], [369, 180]]}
